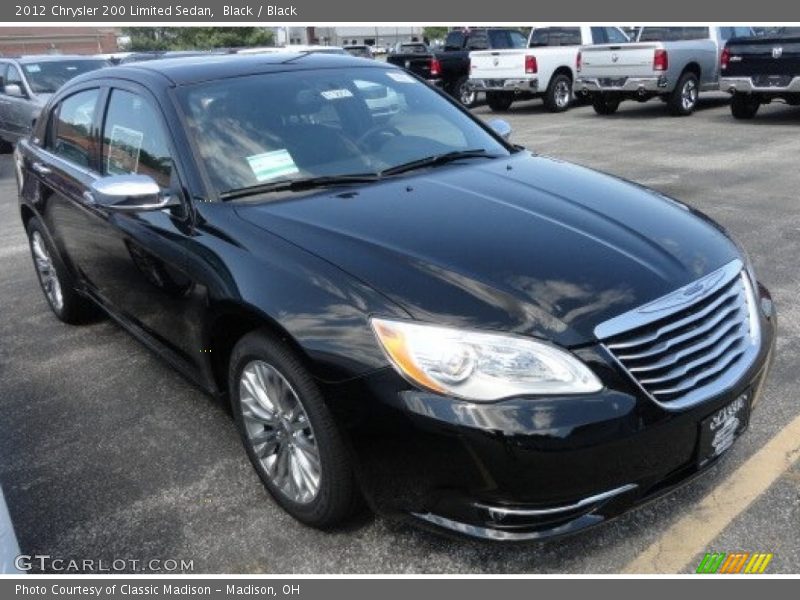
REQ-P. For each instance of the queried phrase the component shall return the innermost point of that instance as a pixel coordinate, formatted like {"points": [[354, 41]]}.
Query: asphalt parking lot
{"points": [[106, 453]]}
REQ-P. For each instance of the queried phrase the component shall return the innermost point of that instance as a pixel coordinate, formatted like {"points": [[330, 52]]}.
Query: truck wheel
{"points": [[499, 101], [463, 93], [558, 96], [744, 106], [683, 99], [603, 105]]}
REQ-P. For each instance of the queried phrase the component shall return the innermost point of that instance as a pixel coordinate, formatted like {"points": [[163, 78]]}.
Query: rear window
{"points": [[555, 36], [673, 34], [503, 39], [454, 40], [47, 76]]}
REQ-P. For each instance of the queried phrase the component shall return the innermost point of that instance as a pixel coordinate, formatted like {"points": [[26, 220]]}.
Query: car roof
{"points": [[188, 70], [38, 58]]}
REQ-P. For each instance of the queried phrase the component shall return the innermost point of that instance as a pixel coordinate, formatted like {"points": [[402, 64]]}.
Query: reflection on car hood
{"points": [[525, 244]]}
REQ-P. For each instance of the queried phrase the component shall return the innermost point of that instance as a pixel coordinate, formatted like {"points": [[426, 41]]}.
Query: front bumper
{"points": [[745, 85], [623, 85], [527, 468], [517, 86]]}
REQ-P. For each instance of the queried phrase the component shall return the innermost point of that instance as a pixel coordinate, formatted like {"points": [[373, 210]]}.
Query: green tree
{"points": [[196, 38]]}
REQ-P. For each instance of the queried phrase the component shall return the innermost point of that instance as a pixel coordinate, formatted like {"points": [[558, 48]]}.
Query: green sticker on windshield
{"points": [[271, 165]]}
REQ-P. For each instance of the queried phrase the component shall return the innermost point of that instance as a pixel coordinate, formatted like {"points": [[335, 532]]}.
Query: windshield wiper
{"points": [[437, 159], [298, 185]]}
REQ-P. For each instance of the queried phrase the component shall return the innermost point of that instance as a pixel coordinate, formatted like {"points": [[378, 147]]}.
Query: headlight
{"points": [[481, 366]]}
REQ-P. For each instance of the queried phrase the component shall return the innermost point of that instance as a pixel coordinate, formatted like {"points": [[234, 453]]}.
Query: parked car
{"points": [[134, 57], [671, 63], [449, 68], [26, 83], [545, 69], [411, 309], [359, 51], [758, 70], [9, 548]]}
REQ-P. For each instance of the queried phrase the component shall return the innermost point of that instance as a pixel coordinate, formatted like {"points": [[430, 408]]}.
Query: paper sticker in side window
{"points": [[124, 147]]}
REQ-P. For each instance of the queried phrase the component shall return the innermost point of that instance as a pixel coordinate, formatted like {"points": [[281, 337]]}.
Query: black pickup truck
{"points": [[758, 70], [449, 68]]}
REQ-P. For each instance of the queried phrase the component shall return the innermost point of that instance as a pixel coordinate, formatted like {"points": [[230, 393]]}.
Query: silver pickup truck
{"points": [[671, 63]]}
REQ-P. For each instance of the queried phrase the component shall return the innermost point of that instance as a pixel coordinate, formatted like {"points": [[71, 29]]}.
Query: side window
{"points": [[615, 36], [71, 133], [134, 140], [12, 77]]}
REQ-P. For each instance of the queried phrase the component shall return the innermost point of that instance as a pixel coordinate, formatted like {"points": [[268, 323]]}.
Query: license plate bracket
{"points": [[720, 430]]}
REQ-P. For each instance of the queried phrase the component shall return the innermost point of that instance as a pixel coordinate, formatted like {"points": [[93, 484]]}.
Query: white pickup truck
{"points": [[672, 63], [545, 69]]}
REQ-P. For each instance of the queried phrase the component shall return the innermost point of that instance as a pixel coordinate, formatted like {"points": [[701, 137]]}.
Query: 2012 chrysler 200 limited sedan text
{"points": [[399, 305]]}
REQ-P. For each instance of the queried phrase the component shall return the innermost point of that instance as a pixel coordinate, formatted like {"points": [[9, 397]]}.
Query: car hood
{"points": [[528, 244]]}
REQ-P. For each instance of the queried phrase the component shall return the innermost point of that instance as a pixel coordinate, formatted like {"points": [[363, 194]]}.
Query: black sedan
{"points": [[400, 306]]}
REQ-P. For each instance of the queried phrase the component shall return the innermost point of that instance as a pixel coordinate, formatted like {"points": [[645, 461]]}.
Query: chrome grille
{"points": [[692, 343]]}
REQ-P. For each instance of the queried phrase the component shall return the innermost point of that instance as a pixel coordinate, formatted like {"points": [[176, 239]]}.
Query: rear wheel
{"points": [[558, 96], [463, 93], [683, 99], [744, 106], [56, 283], [289, 434], [603, 105], [499, 101]]}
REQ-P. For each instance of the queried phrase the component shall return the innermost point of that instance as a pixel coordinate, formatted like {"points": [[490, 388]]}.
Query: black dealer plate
{"points": [[718, 432]]}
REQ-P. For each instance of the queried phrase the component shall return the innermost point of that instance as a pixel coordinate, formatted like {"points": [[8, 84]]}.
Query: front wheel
{"points": [[499, 101], [683, 99], [744, 106], [558, 96], [289, 434], [604, 105], [466, 95]]}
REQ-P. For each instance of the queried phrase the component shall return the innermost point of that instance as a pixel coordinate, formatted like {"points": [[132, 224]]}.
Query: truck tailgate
{"points": [[763, 57], [497, 64], [617, 61], [419, 64]]}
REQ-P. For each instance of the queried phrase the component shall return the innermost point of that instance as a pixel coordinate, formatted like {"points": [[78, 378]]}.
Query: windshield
{"points": [[297, 125], [47, 76]]}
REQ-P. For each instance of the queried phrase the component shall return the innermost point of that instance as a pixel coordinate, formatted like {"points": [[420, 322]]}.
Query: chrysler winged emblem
{"points": [[777, 52]]}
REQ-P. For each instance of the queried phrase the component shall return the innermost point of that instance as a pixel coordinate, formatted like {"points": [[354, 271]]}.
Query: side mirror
{"points": [[13, 89], [501, 128], [129, 193]]}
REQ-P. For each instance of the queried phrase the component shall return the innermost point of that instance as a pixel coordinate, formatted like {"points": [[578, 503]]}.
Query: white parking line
{"points": [[692, 534]]}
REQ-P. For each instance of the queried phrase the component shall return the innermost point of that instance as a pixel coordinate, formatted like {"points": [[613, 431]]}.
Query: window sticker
{"points": [[271, 165], [336, 94], [33, 68], [401, 77], [124, 147]]}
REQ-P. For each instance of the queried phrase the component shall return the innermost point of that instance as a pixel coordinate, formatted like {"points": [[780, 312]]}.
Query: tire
{"points": [[744, 106], [58, 286], [683, 99], [603, 105], [463, 94], [297, 428], [499, 101], [558, 96]]}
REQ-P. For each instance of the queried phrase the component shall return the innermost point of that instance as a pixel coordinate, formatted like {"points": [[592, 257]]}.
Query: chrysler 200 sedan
{"points": [[401, 307]]}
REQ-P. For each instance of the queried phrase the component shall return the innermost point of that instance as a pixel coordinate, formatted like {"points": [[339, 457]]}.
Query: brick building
{"points": [[57, 40]]}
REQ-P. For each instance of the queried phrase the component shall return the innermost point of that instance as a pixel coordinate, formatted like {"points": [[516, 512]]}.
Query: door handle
{"points": [[41, 169]]}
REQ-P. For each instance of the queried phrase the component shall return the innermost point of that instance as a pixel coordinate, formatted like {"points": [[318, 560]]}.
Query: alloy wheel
{"points": [[47, 272], [689, 94], [562, 94], [466, 95], [279, 432]]}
